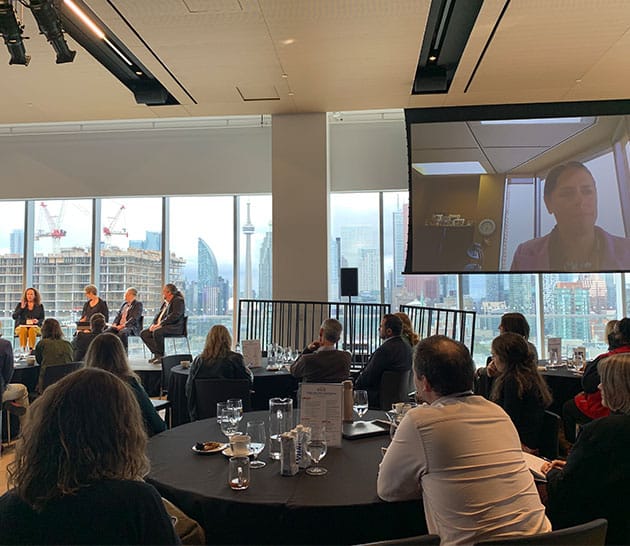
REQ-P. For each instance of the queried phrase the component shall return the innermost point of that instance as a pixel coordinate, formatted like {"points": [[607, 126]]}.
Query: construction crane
{"points": [[54, 226], [110, 230]]}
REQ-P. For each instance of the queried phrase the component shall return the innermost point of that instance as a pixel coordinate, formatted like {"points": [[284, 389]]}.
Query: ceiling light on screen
{"points": [[540, 121], [450, 167]]}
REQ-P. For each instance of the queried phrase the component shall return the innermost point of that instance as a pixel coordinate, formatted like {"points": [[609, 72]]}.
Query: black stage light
{"points": [[11, 31], [50, 25]]}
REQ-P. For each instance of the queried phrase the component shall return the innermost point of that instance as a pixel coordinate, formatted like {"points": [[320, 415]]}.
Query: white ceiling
{"points": [[338, 55]]}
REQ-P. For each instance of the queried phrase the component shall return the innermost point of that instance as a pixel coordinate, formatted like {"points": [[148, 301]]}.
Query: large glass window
{"points": [[255, 244], [131, 252], [206, 249], [355, 243], [62, 262], [12, 260]]}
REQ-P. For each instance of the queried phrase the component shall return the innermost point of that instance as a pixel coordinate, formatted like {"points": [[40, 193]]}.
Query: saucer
{"points": [[220, 447]]}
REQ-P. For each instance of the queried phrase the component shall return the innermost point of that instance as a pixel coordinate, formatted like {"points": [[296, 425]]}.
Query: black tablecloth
{"points": [[339, 508], [27, 375], [564, 385], [267, 384]]}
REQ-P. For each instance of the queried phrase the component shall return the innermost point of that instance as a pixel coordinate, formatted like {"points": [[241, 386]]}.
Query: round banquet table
{"points": [[267, 384], [339, 508], [564, 385]]}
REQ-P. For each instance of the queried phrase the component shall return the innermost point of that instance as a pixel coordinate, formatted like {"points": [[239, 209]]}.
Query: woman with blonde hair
{"points": [[108, 353], [28, 316], [408, 332], [216, 361], [519, 388], [78, 469], [594, 480]]}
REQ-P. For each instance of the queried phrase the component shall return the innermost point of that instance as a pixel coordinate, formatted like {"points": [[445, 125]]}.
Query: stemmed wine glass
{"points": [[237, 404], [316, 448], [360, 402], [228, 420], [258, 435]]}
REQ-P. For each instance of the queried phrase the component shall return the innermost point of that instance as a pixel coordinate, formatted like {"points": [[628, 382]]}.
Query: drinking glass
{"points": [[237, 404], [280, 420], [238, 473], [316, 448], [360, 403], [228, 420], [256, 430]]}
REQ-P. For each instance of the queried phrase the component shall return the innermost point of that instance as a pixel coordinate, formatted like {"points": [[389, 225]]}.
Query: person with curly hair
{"points": [[78, 472]]}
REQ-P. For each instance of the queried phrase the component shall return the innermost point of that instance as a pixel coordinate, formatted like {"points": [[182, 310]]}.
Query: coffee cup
{"points": [[30, 360], [185, 363], [239, 444]]}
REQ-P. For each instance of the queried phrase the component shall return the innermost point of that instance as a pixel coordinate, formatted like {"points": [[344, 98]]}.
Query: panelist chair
{"points": [[165, 405], [208, 392], [184, 334], [168, 363], [394, 388], [592, 533]]}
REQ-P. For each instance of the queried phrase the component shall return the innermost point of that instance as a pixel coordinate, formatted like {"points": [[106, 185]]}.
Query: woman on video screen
{"points": [[575, 243]]}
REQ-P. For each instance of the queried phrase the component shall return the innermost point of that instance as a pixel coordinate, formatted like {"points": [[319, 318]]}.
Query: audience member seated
{"points": [[82, 340], [587, 405], [78, 469], [320, 361], [461, 454], [14, 393], [393, 354], [28, 317], [127, 321], [93, 305], [519, 388], [216, 361], [510, 322], [168, 320], [107, 353], [595, 479], [407, 330], [52, 349]]}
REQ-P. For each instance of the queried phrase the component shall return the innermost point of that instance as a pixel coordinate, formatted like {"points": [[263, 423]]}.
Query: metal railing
{"points": [[296, 323], [454, 323]]}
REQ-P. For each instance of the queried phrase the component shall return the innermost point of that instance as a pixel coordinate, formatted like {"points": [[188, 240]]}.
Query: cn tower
{"points": [[248, 230]]}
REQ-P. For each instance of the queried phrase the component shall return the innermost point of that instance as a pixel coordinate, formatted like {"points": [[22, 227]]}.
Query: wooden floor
{"points": [[8, 454]]}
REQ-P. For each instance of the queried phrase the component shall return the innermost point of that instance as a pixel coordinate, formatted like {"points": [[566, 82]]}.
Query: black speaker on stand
{"points": [[349, 280]]}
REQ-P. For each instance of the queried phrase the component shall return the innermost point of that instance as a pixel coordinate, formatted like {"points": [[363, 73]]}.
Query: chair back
{"points": [[208, 392], [420, 540], [549, 435], [52, 374], [592, 533], [168, 363], [394, 388]]}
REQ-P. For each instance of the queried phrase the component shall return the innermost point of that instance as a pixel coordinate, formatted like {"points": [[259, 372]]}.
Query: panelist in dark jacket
{"points": [[127, 321], [321, 361], [394, 354], [168, 320]]}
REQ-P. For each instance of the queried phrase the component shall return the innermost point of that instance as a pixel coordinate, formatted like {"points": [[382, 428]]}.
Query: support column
{"points": [[300, 207]]}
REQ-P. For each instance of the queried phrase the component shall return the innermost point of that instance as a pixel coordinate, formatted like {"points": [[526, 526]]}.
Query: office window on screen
{"points": [[11, 260], [63, 255], [131, 252], [354, 232], [202, 244]]}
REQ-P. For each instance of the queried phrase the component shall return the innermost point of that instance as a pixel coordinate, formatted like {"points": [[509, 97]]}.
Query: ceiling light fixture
{"points": [[449, 167], [48, 21]]}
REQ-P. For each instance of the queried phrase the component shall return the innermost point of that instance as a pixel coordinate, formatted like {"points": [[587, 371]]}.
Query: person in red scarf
{"points": [[587, 406]]}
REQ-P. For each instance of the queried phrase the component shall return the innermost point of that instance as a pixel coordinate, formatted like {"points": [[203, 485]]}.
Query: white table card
{"points": [[252, 354], [322, 403]]}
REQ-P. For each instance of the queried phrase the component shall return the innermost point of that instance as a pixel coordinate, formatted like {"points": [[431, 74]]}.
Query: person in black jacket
{"points": [[82, 340], [78, 472], [28, 316], [216, 361], [168, 320], [127, 321], [595, 479], [393, 354]]}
